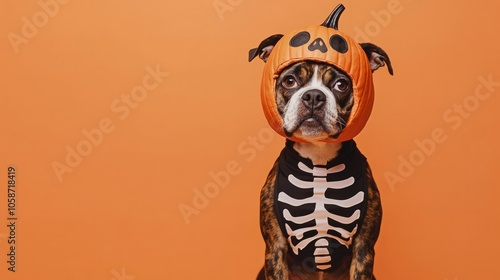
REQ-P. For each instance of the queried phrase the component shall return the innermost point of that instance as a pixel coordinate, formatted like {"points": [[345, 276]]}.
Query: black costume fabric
{"points": [[320, 208]]}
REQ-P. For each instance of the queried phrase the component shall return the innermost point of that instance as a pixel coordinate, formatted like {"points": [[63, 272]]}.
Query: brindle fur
{"points": [[283, 265]]}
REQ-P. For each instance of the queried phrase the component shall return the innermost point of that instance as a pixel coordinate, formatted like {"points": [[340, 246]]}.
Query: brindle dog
{"points": [[313, 119]]}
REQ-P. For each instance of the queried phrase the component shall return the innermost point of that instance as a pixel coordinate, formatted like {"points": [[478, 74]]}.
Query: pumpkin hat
{"points": [[324, 43]]}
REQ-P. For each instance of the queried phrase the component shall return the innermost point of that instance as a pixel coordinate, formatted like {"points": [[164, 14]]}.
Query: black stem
{"points": [[332, 20]]}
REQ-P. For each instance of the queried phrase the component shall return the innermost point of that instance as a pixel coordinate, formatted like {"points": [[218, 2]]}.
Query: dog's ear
{"points": [[264, 48], [377, 57]]}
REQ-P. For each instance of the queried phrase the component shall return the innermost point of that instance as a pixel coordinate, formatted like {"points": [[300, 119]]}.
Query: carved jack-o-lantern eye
{"points": [[338, 43], [300, 39]]}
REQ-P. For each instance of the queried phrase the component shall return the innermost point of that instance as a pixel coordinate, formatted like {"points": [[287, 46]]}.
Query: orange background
{"points": [[116, 215]]}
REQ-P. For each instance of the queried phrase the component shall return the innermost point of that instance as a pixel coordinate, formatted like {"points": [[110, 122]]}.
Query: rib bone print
{"points": [[320, 215]]}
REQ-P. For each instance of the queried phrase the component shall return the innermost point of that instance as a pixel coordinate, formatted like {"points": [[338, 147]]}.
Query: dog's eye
{"points": [[289, 82], [341, 85]]}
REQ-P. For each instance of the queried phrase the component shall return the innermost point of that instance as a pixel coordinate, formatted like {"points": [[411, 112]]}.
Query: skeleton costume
{"points": [[320, 208]]}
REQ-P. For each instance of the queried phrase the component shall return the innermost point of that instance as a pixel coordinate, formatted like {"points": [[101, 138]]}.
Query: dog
{"points": [[312, 231]]}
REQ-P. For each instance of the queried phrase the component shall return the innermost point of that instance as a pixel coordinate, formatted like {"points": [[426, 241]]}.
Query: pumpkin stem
{"points": [[332, 20]]}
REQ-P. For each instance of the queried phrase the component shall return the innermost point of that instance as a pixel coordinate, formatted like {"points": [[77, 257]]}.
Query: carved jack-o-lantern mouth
{"points": [[324, 43]]}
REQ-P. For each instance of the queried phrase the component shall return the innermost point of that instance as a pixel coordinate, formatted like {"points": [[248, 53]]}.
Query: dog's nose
{"points": [[314, 99]]}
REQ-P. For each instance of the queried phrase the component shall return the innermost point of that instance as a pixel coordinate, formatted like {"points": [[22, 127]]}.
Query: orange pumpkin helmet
{"points": [[324, 43]]}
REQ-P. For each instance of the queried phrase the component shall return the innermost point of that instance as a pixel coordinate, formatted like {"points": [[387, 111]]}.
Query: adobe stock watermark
{"points": [[31, 26], [121, 107], [122, 275], [381, 19], [223, 6], [220, 179], [453, 118]]}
